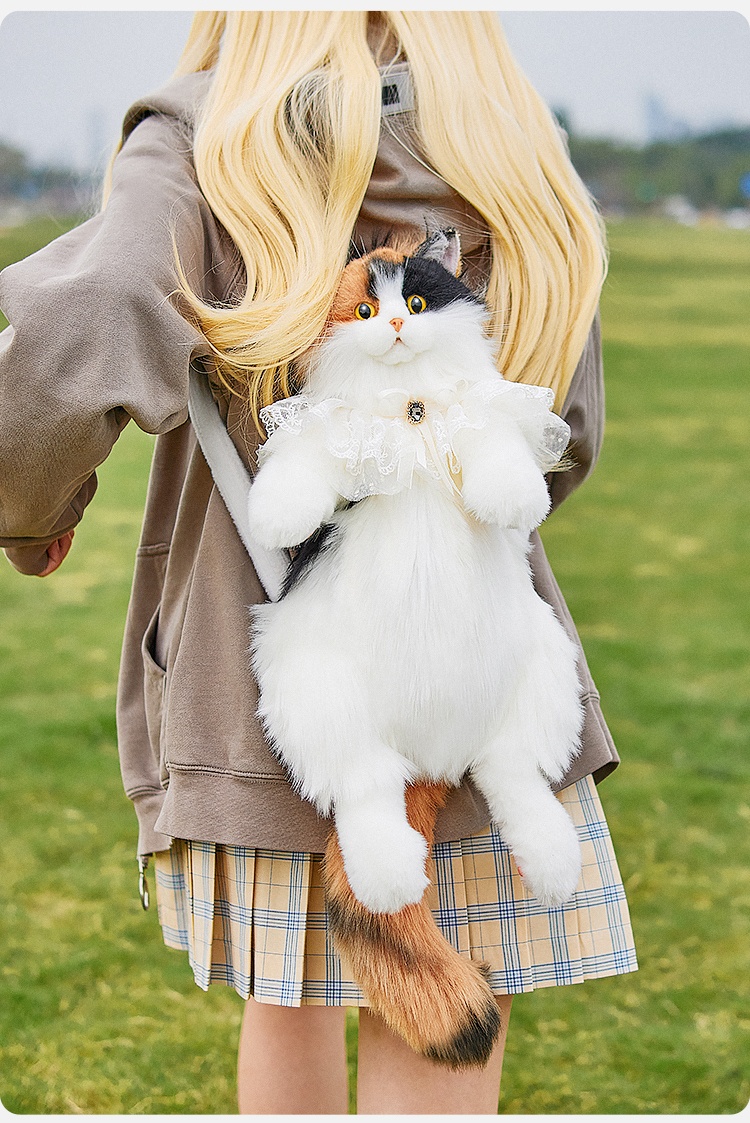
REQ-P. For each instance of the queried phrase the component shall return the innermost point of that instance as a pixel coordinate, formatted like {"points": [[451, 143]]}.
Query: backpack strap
{"points": [[233, 481]]}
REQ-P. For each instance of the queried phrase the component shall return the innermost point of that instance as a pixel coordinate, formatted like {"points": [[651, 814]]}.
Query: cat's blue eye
{"points": [[364, 311], [416, 304]]}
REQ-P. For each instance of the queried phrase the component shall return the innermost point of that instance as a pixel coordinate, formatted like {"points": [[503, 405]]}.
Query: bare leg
{"points": [[394, 1080], [292, 1060]]}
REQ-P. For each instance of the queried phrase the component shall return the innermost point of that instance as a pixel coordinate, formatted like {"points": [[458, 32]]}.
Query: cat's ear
{"points": [[444, 246]]}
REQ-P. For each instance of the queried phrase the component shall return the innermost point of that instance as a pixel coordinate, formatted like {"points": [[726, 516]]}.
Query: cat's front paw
{"points": [[387, 873], [517, 500], [284, 512]]}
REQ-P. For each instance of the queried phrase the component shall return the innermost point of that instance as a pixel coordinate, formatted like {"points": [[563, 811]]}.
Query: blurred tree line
{"points": [[710, 170], [20, 180]]}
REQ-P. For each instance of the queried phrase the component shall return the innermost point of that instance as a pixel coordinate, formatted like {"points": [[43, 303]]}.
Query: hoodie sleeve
{"points": [[95, 337]]}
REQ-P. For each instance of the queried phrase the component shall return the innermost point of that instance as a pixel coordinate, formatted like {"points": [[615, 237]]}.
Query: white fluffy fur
{"points": [[417, 646]]}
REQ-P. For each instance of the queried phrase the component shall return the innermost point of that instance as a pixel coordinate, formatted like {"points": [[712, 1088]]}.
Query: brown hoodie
{"points": [[96, 340]]}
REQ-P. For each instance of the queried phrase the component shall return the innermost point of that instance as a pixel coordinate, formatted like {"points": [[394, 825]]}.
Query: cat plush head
{"points": [[402, 307], [397, 304]]}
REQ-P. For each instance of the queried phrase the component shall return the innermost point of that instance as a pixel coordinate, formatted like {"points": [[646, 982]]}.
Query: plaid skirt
{"points": [[256, 920]]}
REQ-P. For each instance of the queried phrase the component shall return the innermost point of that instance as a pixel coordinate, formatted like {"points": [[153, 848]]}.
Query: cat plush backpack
{"points": [[408, 646]]}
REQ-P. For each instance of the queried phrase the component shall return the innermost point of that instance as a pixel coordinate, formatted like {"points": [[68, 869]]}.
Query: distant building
{"points": [[661, 124]]}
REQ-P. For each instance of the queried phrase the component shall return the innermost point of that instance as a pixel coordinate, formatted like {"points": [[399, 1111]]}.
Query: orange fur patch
{"points": [[352, 291]]}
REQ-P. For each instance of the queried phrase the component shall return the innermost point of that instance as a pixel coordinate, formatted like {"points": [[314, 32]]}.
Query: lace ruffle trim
{"points": [[379, 453]]}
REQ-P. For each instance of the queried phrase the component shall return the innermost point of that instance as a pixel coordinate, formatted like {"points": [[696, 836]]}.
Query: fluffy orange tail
{"points": [[436, 999]]}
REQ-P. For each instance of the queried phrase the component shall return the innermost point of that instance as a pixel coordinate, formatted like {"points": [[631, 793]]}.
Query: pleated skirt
{"points": [[256, 920]]}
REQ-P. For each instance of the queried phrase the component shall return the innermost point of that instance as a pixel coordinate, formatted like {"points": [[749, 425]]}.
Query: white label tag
{"points": [[397, 94]]}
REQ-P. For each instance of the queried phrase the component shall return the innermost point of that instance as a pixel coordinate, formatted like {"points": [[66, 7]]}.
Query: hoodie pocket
{"points": [[154, 683]]}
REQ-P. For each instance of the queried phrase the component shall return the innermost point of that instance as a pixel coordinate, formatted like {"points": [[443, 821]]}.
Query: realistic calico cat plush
{"points": [[410, 647]]}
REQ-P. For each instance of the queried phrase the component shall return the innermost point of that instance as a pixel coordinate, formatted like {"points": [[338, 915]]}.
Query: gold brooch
{"points": [[415, 412]]}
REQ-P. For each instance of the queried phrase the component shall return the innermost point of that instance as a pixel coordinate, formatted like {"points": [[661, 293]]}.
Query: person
{"points": [[229, 211]]}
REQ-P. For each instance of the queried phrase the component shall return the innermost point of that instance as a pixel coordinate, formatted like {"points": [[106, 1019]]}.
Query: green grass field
{"points": [[97, 1016]]}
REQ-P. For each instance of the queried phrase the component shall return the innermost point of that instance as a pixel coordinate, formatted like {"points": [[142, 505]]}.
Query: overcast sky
{"points": [[66, 78]]}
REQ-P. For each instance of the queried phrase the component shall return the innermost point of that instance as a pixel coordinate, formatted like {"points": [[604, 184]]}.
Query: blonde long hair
{"points": [[284, 149]]}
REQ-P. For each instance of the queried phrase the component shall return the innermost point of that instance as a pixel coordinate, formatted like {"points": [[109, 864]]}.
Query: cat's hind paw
{"points": [[551, 866], [387, 876]]}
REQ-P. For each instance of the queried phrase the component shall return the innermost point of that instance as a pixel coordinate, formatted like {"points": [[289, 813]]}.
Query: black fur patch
{"points": [[435, 283], [423, 276], [474, 1044], [310, 550]]}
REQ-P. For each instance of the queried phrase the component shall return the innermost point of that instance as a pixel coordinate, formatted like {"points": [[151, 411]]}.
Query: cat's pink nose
{"points": [[397, 324]]}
